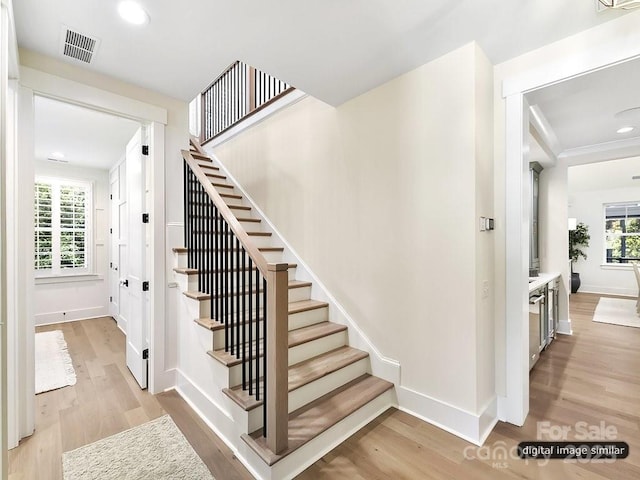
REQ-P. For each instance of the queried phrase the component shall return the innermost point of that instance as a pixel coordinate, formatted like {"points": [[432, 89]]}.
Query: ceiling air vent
{"points": [[77, 45]]}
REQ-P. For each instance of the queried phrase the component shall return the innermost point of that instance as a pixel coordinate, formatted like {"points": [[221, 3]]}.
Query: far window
{"points": [[622, 232], [62, 226]]}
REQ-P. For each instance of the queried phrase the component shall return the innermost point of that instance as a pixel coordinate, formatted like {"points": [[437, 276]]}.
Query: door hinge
{"points": [[110, 196], [145, 149], [145, 218], [110, 264], [145, 354], [145, 286], [110, 299], [111, 230]]}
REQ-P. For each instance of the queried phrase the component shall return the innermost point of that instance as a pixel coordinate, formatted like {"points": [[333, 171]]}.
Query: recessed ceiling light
{"points": [[133, 13], [624, 130]]}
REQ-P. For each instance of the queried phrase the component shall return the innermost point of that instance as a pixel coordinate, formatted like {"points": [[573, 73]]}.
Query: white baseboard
{"points": [[607, 290], [52, 318], [474, 428], [564, 327]]}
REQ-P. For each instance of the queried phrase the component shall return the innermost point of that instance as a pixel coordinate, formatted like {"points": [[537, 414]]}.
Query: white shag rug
{"points": [[54, 368], [617, 311], [152, 451]]}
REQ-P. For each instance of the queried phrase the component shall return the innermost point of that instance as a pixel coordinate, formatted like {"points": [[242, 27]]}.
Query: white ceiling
{"points": [[331, 49], [87, 138], [584, 113], [604, 175]]}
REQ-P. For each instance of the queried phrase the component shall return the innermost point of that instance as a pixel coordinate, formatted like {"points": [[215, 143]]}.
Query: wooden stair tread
{"points": [[248, 219], [200, 156], [302, 374], [230, 195], [295, 338], [313, 332], [186, 271], [239, 207], [215, 175], [206, 166], [318, 416], [305, 305], [197, 295], [180, 250], [221, 185]]}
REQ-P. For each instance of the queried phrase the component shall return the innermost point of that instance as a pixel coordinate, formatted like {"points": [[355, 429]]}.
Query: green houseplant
{"points": [[578, 239]]}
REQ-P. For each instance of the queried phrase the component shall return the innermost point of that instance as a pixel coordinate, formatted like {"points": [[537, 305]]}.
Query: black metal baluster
{"points": [[257, 380], [239, 293], [231, 293], [212, 253], [250, 343], [264, 358], [224, 291], [245, 323], [216, 232]]}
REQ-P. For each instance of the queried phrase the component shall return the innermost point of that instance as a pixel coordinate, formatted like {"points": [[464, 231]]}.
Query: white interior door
{"points": [[135, 253]]}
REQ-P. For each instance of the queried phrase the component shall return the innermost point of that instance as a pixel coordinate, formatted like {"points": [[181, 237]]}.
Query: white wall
{"points": [[378, 197], [587, 207], [59, 301]]}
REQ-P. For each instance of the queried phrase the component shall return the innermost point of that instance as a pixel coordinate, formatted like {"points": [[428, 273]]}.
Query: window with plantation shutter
{"points": [[62, 226]]}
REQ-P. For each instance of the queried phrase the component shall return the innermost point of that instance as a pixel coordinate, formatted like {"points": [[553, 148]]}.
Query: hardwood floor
{"points": [[104, 401], [592, 376]]}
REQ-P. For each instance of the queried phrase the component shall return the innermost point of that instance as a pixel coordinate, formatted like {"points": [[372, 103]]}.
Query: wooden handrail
{"points": [[225, 211]]}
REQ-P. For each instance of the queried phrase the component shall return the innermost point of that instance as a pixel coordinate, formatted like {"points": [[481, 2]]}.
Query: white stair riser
{"points": [[273, 257], [317, 347], [308, 317], [218, 335], [299, 294], [238, 212], [181, 260], [235, 372], [197, 308], [250, 226]]}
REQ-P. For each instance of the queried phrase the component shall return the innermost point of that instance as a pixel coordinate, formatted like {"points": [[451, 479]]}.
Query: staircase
{"points": [[319, 390]]}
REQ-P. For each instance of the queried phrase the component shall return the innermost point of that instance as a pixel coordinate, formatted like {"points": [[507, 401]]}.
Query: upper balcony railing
{"points": [[238, 93]]}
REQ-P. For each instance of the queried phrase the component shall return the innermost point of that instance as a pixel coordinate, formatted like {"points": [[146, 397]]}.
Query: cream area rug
{"points": [[54, 368], [155, 450], [618, 311]]}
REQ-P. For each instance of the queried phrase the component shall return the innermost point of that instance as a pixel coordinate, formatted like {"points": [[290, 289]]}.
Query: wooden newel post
{"points": [[277, 326]]}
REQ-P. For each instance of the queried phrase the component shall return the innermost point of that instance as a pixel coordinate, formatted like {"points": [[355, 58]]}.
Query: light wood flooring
{"points": [[105, 400], [592, 376]]}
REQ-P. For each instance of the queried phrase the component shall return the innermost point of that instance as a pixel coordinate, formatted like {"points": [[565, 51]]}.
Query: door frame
{"points": [[582, 54], [33, 82]]}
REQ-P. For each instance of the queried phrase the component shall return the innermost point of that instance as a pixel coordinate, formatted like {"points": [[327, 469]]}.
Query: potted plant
{"points": [[578, 239]]}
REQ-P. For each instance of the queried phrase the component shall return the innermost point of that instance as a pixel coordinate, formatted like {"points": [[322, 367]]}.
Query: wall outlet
{"points": [[485, 289]]}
